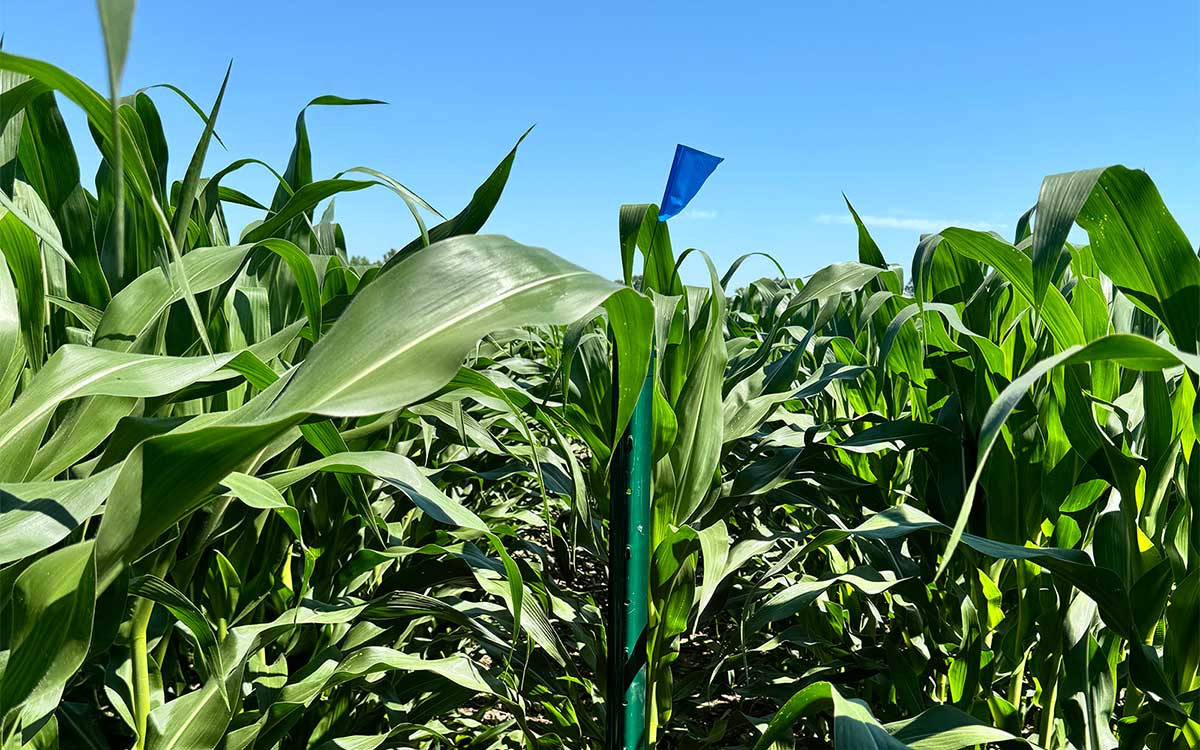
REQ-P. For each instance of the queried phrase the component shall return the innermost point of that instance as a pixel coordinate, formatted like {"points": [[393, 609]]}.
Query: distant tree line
{"points": [[362, 260]]}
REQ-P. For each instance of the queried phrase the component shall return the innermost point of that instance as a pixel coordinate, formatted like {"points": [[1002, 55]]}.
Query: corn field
{"points": [[255, 496]]}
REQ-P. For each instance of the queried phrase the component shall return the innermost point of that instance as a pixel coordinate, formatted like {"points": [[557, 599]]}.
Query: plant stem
{"points": [[141, 671], [1046, 720], [160, 651], [140, 622], [1018, 675]]}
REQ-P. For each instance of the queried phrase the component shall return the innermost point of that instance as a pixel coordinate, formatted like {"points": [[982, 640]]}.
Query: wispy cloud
{"points": [[698, 215], [911, 223]]}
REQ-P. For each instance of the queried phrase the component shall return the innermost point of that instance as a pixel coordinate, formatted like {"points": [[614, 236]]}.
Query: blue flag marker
{"points": [[688, 172]]}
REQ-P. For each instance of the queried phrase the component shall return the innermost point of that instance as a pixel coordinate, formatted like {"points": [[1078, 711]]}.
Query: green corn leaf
{"points": [[191, 179], [51, 628], [20, 249], [1138, 245], [299, 170], [1061, 197], [472, 218]]}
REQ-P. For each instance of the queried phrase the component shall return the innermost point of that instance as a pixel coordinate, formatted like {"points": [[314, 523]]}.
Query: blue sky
{"points": [[924, 114]]}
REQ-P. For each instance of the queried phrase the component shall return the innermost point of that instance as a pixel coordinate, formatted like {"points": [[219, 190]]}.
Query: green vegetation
{"points": [[255, 496]]}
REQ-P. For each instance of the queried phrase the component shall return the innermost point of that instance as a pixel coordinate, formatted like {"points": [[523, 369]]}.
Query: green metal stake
{"points": [[629, 566]]}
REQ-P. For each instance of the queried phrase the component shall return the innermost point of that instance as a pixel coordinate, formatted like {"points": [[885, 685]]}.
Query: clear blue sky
{"points": [[923, 116]]}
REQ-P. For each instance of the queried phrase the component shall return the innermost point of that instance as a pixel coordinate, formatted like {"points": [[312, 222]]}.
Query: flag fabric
{"points": [[688, 172]]}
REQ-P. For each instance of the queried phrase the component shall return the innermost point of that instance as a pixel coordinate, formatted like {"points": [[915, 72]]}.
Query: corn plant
{"points": [[972, 499], [217, 453]]}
